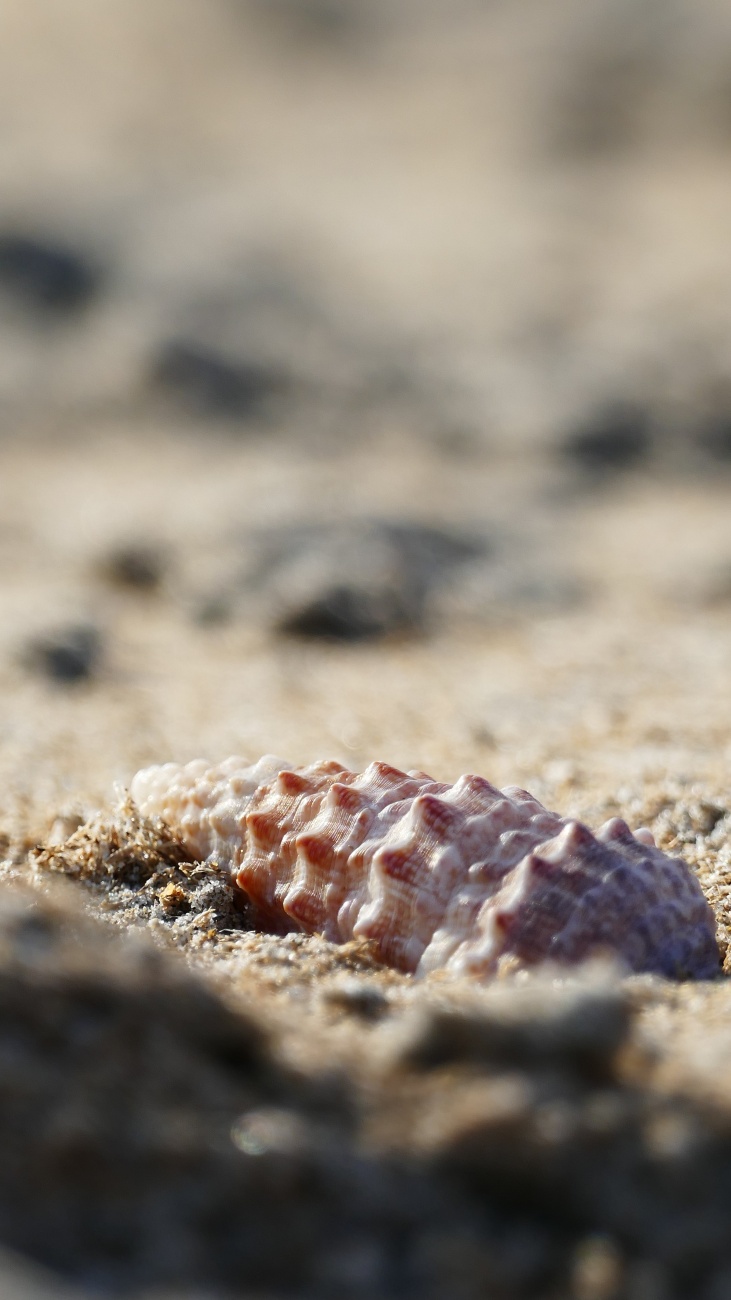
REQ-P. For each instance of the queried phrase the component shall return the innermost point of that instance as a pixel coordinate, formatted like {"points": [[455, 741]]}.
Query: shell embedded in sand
{"points": [[459, 877]]}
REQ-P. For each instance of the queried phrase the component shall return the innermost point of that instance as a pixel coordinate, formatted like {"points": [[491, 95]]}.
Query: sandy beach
{"points": [[364, 394]]}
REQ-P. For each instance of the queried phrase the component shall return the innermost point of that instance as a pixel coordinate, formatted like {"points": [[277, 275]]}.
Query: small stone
{"points": [[616, 438], [136, 566], [348, 613], [207, 383], [45, 275], [357, 998], [70, 655], [358, 580]]}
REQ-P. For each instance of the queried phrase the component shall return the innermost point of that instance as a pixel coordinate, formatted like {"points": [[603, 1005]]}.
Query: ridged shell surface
{"points": [[459, 877]]}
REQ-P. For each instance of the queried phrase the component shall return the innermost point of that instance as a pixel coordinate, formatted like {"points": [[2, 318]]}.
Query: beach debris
{"points": [[463, 878], [135, 862]]}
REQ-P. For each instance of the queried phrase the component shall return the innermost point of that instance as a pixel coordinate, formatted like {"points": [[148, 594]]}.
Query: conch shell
{"points": [[465, 878]]}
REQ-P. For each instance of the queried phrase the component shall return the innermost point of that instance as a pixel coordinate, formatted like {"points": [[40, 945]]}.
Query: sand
{"points": [[410, 266]]}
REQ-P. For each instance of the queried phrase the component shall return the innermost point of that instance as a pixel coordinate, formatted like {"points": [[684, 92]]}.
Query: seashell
{"points": [[465, 878]]}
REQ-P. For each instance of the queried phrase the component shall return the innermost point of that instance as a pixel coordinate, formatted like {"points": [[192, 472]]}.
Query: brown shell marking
{"points": [[456, 877]]}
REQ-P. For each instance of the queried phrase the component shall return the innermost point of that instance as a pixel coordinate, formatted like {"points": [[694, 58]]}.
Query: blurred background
{"points": [[365, 384]]}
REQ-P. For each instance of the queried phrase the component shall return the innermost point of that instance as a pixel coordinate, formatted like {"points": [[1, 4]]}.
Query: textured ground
{"points": [[364, 392]]}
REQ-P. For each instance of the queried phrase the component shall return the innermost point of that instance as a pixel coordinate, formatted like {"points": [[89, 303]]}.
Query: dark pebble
{"points": [[360, 580], [44, 275], [139, 567], [616, 438], [206, 383], [358, 999], [350, 613], [70, 655]]}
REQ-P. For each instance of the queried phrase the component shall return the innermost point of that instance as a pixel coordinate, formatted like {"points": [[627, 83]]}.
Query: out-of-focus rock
{"points": [[614, 439], [205, 383], [136, 566], [44, 275], [579, 1026], [69, 656], [358, 580], [151, 1136]]}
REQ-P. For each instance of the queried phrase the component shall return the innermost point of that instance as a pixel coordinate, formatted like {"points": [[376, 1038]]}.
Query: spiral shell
{"points": [[460, 878]]}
